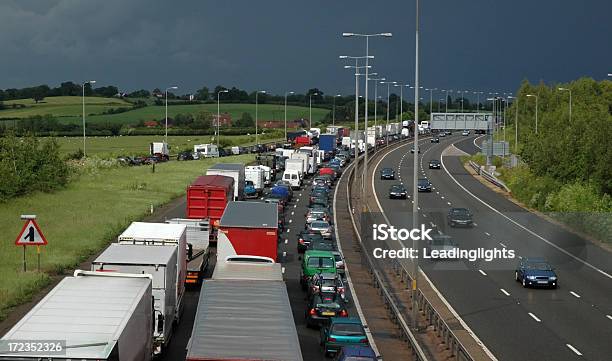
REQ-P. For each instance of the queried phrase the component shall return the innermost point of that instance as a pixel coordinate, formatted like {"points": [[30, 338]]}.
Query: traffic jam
{"points": [[244, 226]]}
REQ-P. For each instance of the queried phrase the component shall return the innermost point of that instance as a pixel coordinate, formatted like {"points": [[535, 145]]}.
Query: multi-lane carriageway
{"points": [[571, 322]]}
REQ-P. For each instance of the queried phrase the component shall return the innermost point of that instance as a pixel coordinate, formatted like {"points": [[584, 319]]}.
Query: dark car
{"points": [[423, 185], [536, 272], [442, 134], [322, 181], [387, 173], [126, 160], [434, 164], [356, 353], [434, 140], [336, 167], [184, 156], [398, 191], [460, 217], [305, 238], [322, 307], [322, 245], [326, 283]]}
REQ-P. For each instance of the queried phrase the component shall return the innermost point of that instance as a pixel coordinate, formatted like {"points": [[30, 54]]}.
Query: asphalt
{"points": [[288, 256], [513, 322]]}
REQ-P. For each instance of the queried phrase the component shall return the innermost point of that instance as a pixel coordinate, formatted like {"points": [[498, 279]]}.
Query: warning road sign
{"points": [[31, 235]]}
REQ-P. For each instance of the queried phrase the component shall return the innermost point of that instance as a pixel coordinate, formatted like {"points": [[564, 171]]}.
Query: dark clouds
{"points": [[293, 45]]}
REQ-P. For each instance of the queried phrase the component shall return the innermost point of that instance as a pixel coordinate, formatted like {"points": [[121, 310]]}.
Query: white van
{"points": [[294, 178]]}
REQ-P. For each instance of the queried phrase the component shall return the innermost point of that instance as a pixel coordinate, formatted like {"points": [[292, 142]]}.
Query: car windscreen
{"points": [[423, 182], [321, 246], [540, 266], [321, 262], [347, 329]]}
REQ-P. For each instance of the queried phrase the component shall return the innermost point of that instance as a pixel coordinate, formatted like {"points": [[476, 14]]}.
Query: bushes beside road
{"points": [[84, 217]]}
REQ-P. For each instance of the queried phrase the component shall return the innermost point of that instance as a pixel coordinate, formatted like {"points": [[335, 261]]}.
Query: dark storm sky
{"points": [[488, 45]]}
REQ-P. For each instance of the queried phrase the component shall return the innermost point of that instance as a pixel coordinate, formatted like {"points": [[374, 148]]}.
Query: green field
{"points": [[83, 218], [139, 144], [69, 108], [64, 106]]}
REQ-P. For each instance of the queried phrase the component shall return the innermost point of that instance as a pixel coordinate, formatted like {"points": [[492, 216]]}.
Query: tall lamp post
{"points": [[376, 80], [365, 157], [257, 117], [219, 115], [166, 92], [84, 133], [287, 93], [536, 110], [515, 122], [431, 99], [357, 74], [334, 109], [478, 100], [439, 104], [446, 100], [388, 93], [310, 110], [415, 193], [401, 86], [570, 101]]}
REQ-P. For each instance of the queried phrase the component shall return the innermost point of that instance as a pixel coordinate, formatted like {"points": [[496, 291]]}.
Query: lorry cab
{"points": [[293, 177]]}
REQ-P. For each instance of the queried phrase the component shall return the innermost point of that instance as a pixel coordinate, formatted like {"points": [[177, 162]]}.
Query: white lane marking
{"points": [[609, 316], [297, 201], [292, 212], [295, 206], [432, 224], [284, 254], [525, 228], [347, 274], [288, 230], [575, 294], [503, 245], [482, 272], [573, 349], [534, 317], [487, 233], [442, 298], [283, 270], [424, 215], [504, 292], [437, 192], [291, 220], [286, 241], [474, 141], [449, 203], [475, 224], [442, 197]]}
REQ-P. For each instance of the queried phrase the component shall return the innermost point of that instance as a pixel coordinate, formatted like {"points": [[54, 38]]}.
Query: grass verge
{"points": [[83, 218]]}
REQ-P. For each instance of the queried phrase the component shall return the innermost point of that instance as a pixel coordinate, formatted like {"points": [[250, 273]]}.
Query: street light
{"points": [[439, 103], [334, 109], [287, 93], [415, 193], [257, 117], [356, 67], [84, 134], [536, 110], [376, 80], [401, 86], [365, 157], [219, 115], [478, 100], [570, 101], [515, 122], [166, 135], [310, 110], [431, 99], [446, 100], [388, 93]]}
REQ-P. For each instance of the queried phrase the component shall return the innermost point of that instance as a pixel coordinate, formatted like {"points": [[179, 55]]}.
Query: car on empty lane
{"points": [[536, 272], [387, 173], [397, 191], [434, 164], [423, 185], [460, 217]]}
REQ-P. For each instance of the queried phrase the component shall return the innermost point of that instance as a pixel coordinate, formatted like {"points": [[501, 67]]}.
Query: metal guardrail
{"points": [[433, 317], [391, 306], [488, 176]]}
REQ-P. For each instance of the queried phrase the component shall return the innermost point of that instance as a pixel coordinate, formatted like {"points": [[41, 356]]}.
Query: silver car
{"points": [[322, 227]]}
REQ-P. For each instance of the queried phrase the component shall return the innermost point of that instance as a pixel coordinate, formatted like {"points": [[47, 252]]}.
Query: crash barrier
{"points": [[488, 176]]}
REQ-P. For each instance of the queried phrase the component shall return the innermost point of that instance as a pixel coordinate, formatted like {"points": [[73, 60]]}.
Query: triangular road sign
{"points": [[31, 235]]}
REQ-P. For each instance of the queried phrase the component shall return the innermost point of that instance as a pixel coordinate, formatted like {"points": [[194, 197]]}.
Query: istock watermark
{"points": [[383, 232]]}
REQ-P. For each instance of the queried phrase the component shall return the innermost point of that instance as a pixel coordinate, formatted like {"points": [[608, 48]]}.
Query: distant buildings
{"points": [[225, 120]]}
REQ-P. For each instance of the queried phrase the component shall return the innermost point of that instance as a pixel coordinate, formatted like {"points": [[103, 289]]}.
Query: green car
{"points": [[342, 331], [316, 262]]}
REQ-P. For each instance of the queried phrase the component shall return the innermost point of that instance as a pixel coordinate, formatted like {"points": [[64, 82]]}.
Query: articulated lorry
{"points": [[102, 316], [199, 235], [234, 170]]}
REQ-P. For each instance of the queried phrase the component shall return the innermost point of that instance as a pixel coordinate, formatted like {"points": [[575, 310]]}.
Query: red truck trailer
{"points": [[303, 140], [207, 197], [248, 228]]}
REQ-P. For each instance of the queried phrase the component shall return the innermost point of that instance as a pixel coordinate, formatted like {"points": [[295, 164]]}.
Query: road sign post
{"points": [[30, 235]]}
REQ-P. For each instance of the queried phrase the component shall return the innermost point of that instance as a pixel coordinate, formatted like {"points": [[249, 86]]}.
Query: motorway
{"points": [[288, 256], [573, 321]]}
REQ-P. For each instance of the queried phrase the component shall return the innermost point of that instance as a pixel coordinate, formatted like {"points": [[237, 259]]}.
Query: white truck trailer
{"points": [[161, 263], [162, 234], [257, 175], [234, 170], [198, 247], [206, 150], [100, 316]]}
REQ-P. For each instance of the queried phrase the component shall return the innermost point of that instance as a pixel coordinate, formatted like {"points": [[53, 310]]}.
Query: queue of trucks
{"points": [[126, 306]]}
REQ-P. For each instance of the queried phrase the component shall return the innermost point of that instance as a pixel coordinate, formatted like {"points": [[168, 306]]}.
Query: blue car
{"points": [[249, 190], [355, 353], [342, 331], [536, 272]]}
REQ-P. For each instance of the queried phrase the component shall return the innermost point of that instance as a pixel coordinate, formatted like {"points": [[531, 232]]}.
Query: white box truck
{"points": [[160, 149], [234, 170], [101, 316], [346, 142], [295, 164], [256, 175], [162, 234], [158, 261], [206, 150]]}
